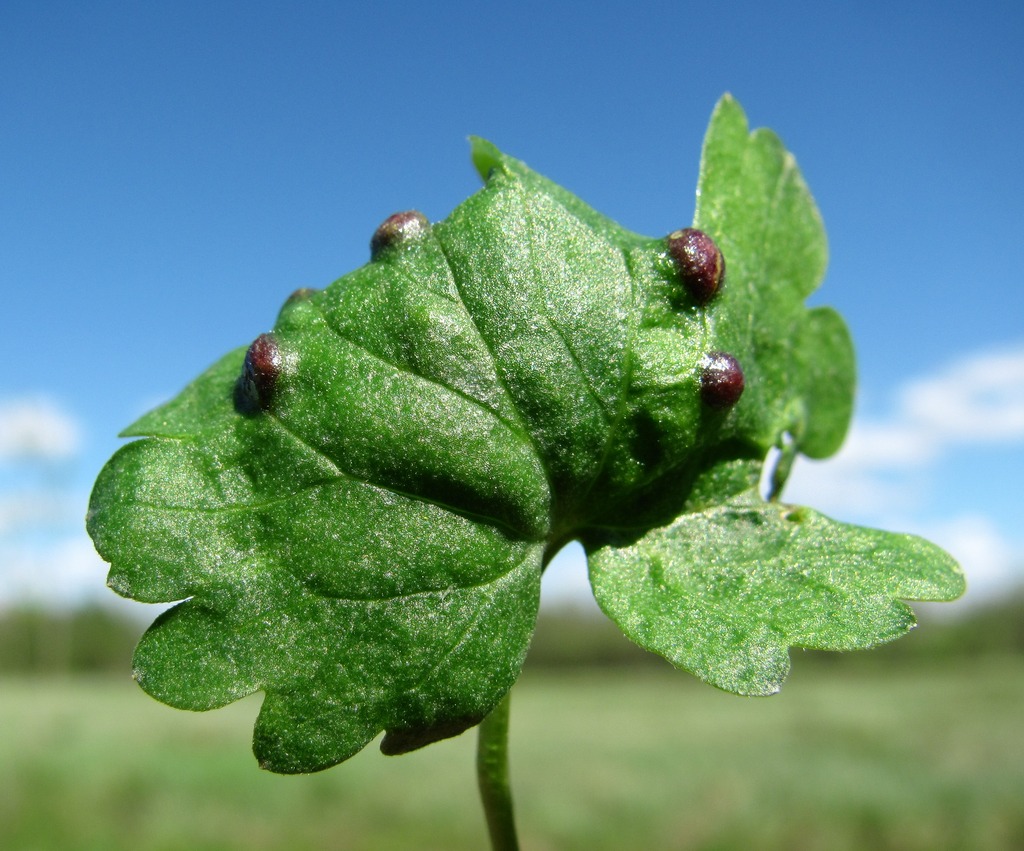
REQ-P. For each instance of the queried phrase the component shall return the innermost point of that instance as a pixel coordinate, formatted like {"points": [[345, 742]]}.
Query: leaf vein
{"points": [[514, 533], [515, 428], [573, 356], [488, 346]]}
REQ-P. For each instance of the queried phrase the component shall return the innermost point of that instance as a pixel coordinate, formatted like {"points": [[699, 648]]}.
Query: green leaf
{"points": [[726, 588], [353, 514], [725, 592], [752, 199]]}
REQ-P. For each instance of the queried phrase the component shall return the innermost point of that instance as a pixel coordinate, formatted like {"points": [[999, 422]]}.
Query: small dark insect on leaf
{"points": [[397, 228], [721, 380], [700, 262], [255, 389]]}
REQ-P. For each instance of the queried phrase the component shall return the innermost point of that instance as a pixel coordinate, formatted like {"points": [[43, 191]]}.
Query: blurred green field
{"points": [[927, 757]]}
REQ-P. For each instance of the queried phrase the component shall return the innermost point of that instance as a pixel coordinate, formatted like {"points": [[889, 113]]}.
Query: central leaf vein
{"points": [[489, 347], [516, 429]]}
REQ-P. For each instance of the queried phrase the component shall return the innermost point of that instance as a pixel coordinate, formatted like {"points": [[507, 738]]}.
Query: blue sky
{"points": [[170, 172]]}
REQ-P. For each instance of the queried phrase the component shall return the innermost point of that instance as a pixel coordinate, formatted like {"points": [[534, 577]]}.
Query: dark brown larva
{"points": [[721, 380], [397, 228], [699, 261], [262, 367]]}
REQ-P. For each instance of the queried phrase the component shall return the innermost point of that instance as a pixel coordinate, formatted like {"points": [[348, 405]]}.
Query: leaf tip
{"points": [[727, 99], [118, 583], [729, 107], [486, 156]]}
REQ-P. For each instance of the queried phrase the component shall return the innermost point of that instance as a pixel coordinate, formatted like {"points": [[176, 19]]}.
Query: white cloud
{"points": [[989, 561], [895, 443], [979, 399], [36, 429], [881, 469], [38, 508], [63, 572], [892, 471]]}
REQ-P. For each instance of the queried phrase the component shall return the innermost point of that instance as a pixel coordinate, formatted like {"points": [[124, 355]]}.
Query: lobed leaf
{"points": [[353, 514], [726, 591]]}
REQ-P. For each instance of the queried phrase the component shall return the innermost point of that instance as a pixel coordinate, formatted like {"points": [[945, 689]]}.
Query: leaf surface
{"points": [[726, 591], [353, 513]]}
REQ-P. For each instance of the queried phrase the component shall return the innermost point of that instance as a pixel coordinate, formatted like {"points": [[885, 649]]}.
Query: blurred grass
{"points": [[915, 757]]}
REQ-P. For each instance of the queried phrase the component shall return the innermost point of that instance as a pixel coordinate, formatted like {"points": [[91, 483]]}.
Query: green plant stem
{"points": [[492, 776]]}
